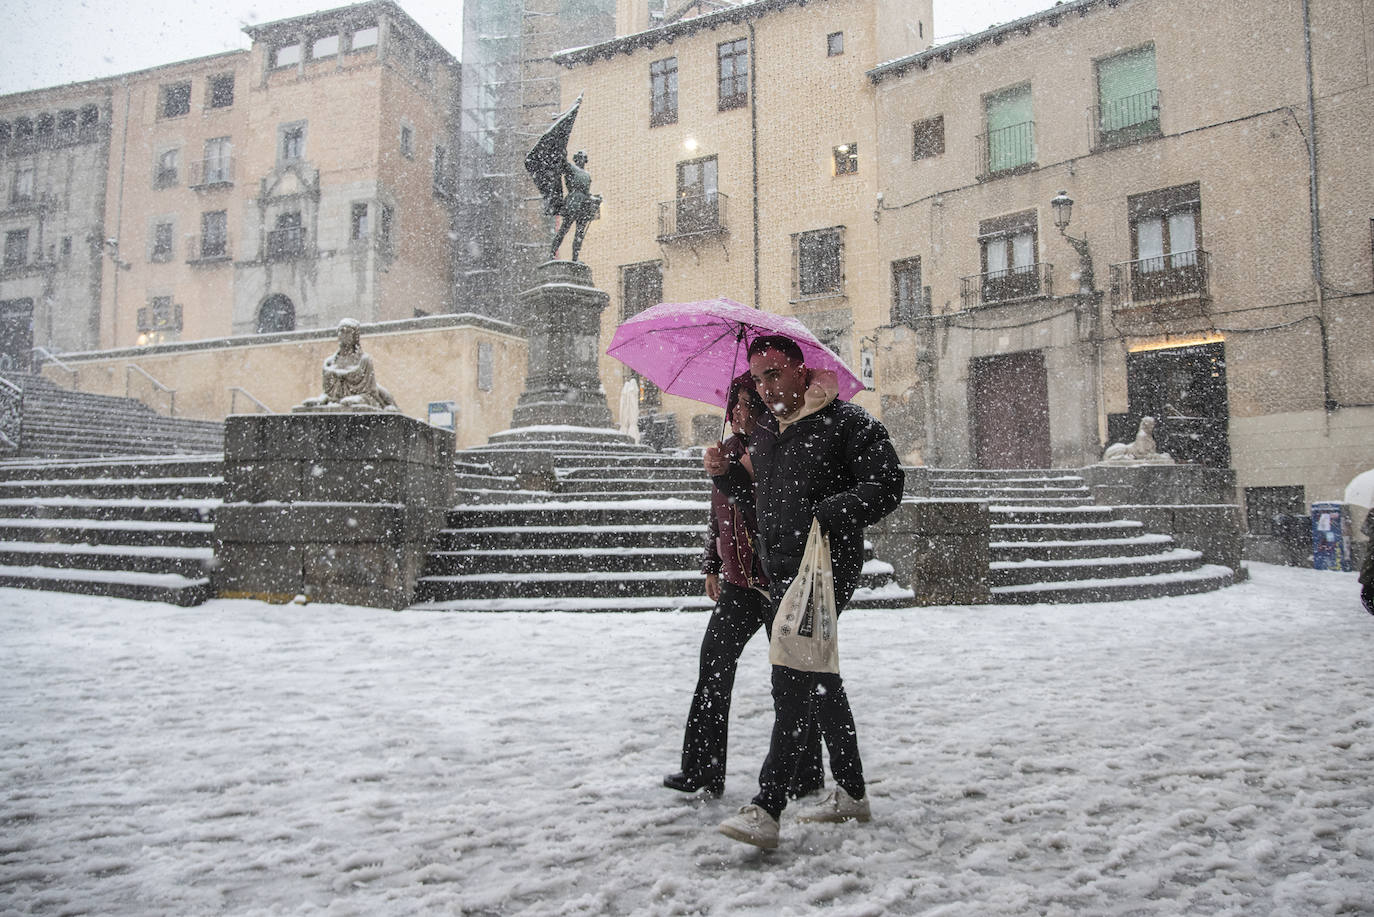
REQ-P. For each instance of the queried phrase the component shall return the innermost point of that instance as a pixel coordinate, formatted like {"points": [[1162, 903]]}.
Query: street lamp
{"points": [[1062, 205], [1087, 303]]}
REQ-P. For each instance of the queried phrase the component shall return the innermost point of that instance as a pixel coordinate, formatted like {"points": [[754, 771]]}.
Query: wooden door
{"points": [[1009, 407]]}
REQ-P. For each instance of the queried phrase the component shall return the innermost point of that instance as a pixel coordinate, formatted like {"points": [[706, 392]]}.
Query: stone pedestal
{"points": [[336, 507], [938, 549], [1194, 504], [1126, 484], [563, 382]]}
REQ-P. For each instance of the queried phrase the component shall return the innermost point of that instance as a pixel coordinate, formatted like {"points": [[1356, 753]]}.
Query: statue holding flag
{"points": [[566, 186]]}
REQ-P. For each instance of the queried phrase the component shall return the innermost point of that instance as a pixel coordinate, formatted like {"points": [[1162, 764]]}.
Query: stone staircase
{"points": [[134, 527], [620, 528], [62, 423], [1049, 542]]}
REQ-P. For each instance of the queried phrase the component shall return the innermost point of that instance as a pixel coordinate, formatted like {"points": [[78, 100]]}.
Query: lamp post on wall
{"points": [[1087, 303]]}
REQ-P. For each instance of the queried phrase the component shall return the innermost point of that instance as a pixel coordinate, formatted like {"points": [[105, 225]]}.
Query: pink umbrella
{"points": [[694, 349]]}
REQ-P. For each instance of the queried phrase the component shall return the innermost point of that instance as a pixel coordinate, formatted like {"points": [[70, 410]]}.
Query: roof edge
{"points": [[627, 44], [995, 35]]}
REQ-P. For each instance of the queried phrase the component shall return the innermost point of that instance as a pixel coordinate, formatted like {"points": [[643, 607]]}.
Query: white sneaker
{"points": [[837, 806], [752, 825]]}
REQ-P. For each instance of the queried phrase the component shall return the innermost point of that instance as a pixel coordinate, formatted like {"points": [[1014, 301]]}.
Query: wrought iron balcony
{"points": [[206, 172], [285, 244], [1125, 120], [1015, 284], [1006, 151], [1173, 278], [692, 215]]}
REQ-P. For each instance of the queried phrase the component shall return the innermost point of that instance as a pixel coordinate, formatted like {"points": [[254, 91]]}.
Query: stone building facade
{"points": [[898, 199], [54, 148]]}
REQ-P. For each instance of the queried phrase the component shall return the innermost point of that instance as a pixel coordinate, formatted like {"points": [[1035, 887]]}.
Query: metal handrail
{"points": [[171, 392], [236, 390], [49, 357]]}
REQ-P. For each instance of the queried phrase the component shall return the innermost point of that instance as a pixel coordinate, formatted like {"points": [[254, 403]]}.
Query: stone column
{"points": [[338, 507], [563, 382]]}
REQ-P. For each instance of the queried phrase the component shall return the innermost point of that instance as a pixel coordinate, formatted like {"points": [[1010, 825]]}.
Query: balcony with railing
{"points": [[1125, 120], [201, 249], [207, 173], [1006, 151], [692, 216], [285, 244], [1017, 284], [1180, 280]]}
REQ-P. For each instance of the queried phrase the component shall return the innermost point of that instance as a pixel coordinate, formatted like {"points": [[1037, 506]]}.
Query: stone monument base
{"points": [[336, 507], [938, 549]]}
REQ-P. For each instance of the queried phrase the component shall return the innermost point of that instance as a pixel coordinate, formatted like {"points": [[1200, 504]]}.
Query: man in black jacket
{"points": [[815, 457]]}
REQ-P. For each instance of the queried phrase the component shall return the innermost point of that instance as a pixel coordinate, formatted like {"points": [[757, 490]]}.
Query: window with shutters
{"points": [[1009, 144], [908, 299], [818, 263], [166, 173], [176, 99], [162, 241], [663, 92], [1010, 266], [1166, 243], [928, 138], [214, 234], [1127, 98], [733, 60]]}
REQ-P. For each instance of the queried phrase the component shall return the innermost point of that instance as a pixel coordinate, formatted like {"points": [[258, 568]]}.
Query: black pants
{"points": [[805, 704], [736, 618]]}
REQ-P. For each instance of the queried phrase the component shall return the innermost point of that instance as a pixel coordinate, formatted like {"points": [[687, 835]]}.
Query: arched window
{"points": [[4, 132], [23, 129], [276, 314]]}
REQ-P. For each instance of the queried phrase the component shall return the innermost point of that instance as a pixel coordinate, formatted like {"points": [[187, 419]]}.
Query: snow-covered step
{"points": [[1024, 572], [123, 508], [1204, 578], [191, 562], [173, 588], [1049, 549], [577, 557]]}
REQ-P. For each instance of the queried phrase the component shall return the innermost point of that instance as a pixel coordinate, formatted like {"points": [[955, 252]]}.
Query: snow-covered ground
{"points": [[1207, 754]]}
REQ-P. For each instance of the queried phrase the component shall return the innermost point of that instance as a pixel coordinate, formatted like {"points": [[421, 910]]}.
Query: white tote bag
{"points": [[805, 635]]}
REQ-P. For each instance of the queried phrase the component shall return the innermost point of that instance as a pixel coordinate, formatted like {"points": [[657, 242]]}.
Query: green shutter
{"points": [[1010, 135], [1126, 87]]}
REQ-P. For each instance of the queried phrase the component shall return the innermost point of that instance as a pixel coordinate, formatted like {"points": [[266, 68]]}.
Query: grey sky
{"points": [[49, 42]]}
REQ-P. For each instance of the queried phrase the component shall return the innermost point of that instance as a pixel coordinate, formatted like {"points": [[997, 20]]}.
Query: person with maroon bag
{"points": [[735, 581]]}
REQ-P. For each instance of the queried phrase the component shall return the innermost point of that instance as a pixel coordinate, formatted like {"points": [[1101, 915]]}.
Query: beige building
{"points": [[153, 220], [898, 199], [306, 180]]}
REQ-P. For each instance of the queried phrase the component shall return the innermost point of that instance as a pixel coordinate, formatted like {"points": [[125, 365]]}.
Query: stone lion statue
{"points": [[1142, 451]]}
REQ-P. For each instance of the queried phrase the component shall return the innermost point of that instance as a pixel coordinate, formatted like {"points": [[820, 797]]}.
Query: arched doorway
{"points": [[276, 314]]}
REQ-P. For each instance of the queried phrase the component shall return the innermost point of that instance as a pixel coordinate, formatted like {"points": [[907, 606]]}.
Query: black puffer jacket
{"points": [[837, 465]]}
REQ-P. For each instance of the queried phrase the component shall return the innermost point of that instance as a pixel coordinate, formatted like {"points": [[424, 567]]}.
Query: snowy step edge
{"points": [[1202, 573], [1147, 538], [1177, 554], [119, 577], [151, 551]]}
